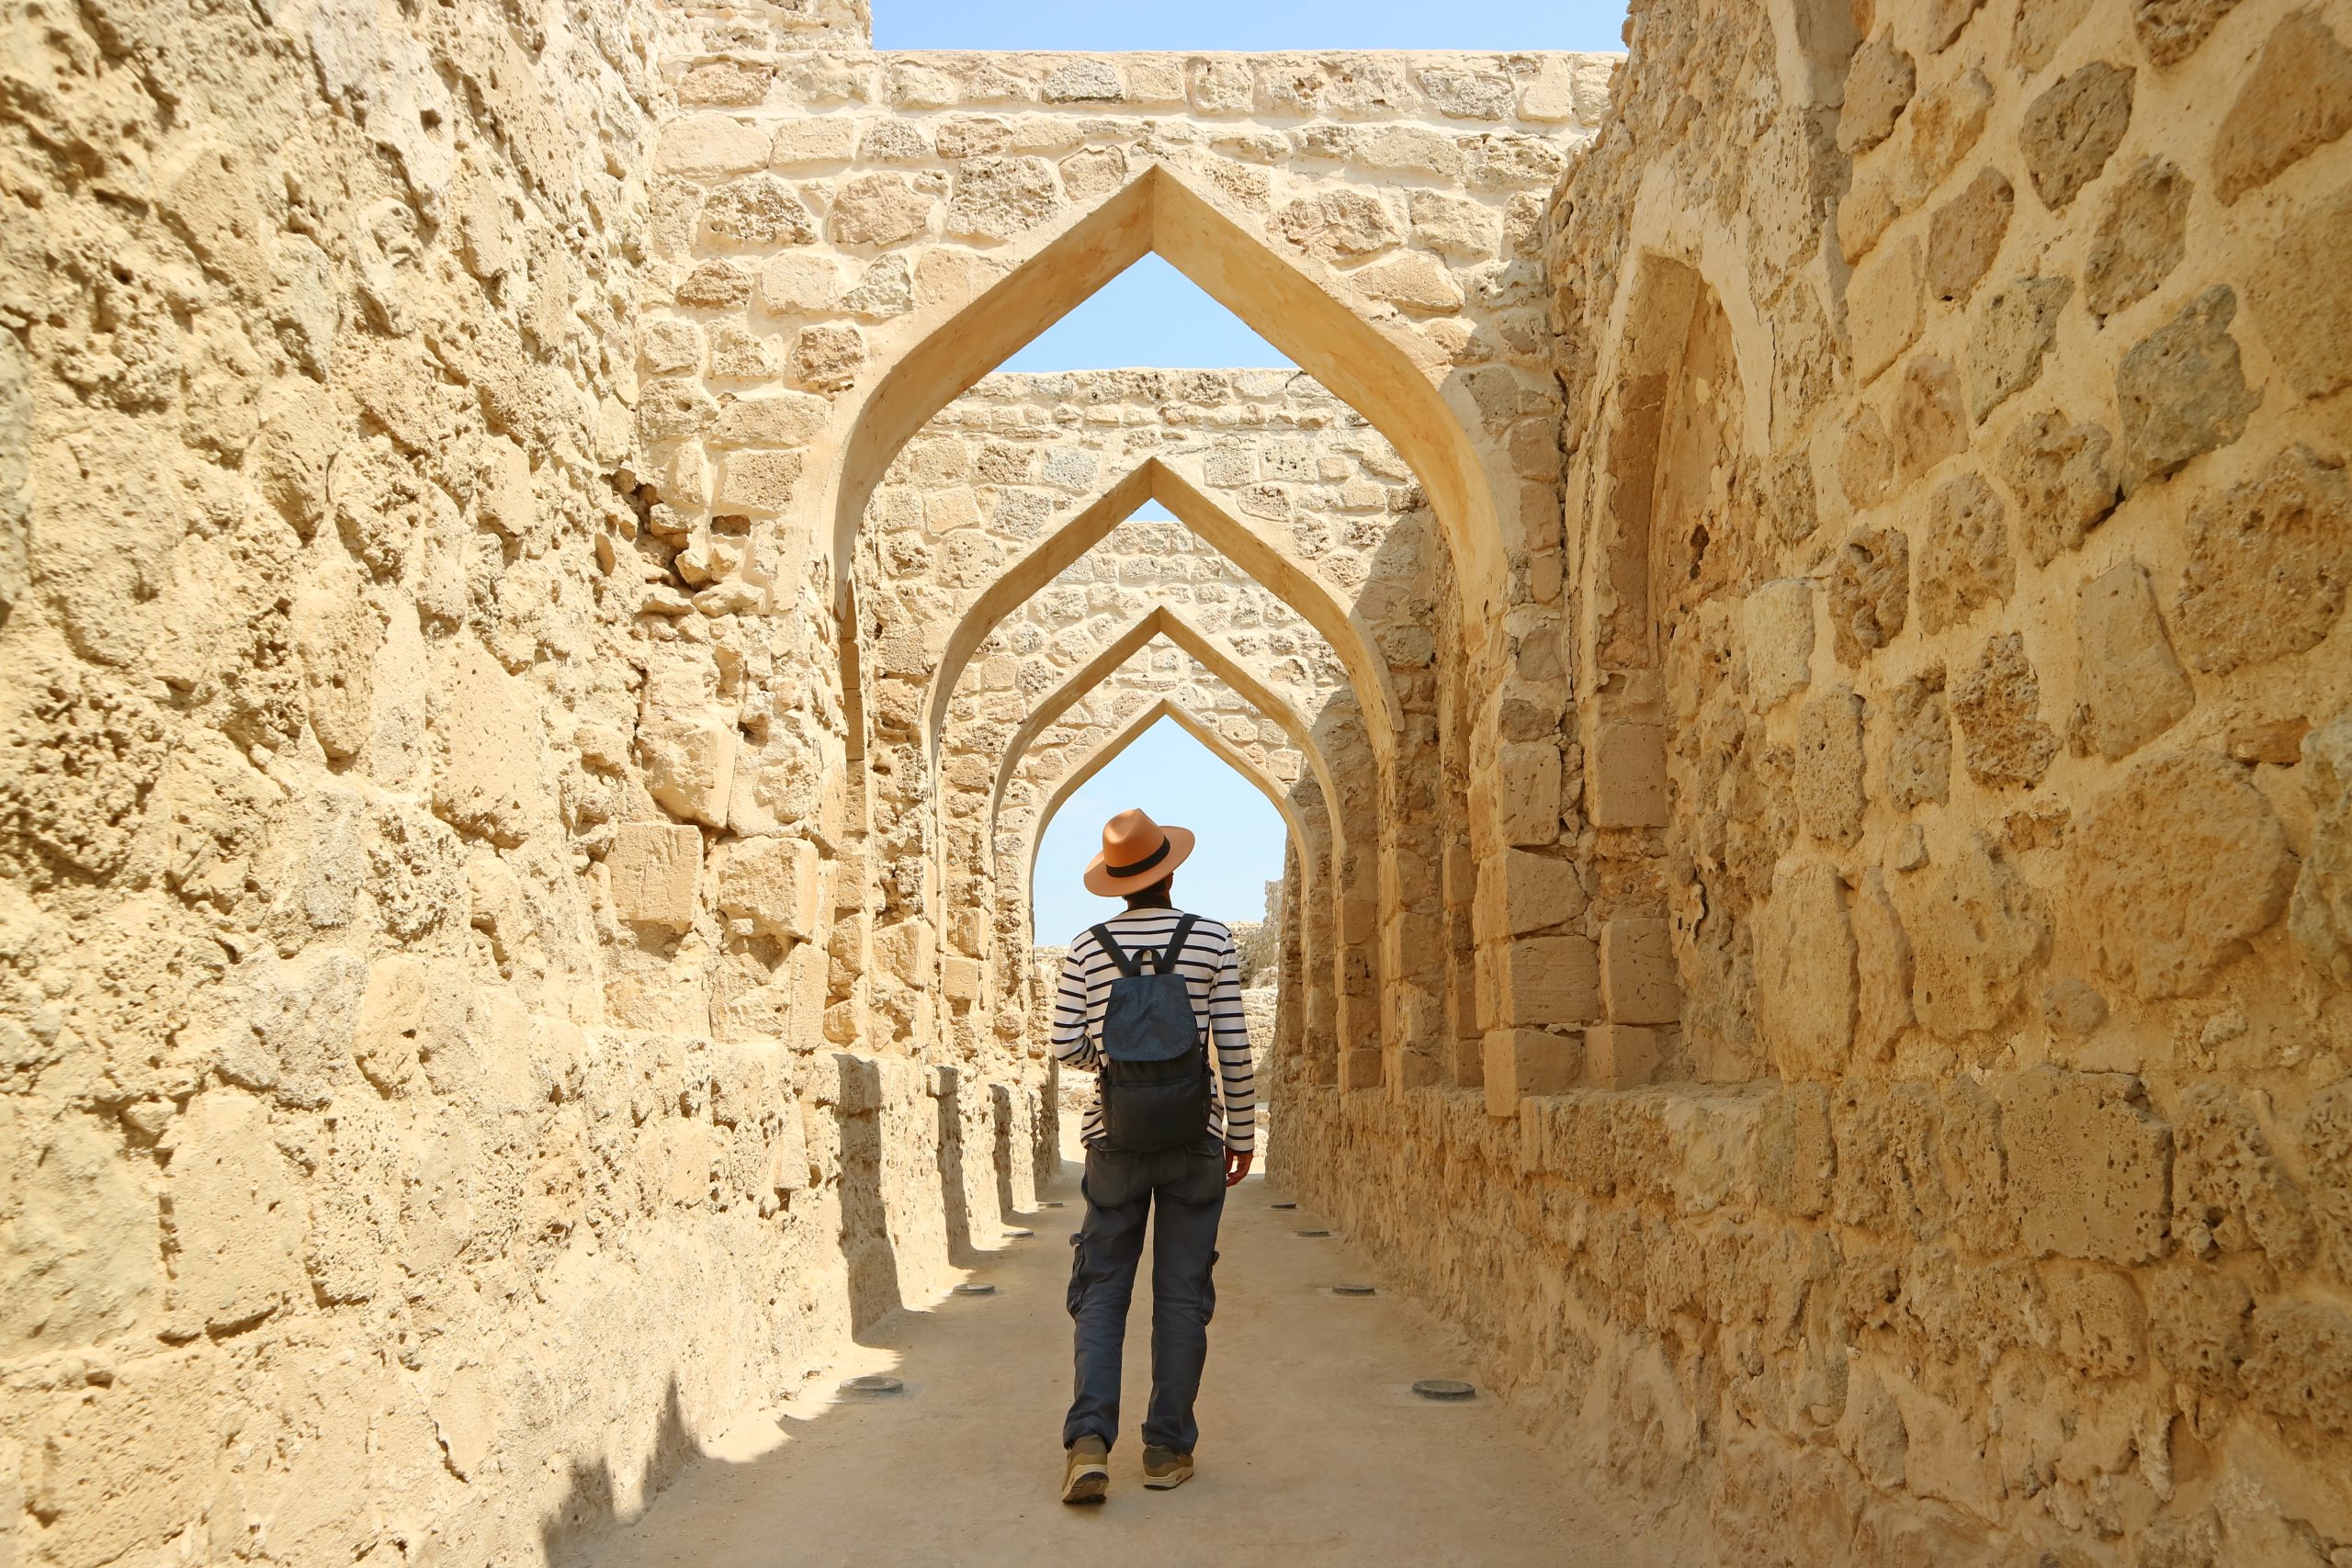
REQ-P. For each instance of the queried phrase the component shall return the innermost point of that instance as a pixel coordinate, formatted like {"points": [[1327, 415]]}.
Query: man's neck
{"points": [[1145, 906]]}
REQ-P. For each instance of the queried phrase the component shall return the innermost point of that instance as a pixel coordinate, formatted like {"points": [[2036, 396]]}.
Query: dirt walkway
{"points": [[1313, 1449]]}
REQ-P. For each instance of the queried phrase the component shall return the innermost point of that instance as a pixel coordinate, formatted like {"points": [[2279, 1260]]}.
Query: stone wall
{"points": [[1957, 515], [417, 1135]]}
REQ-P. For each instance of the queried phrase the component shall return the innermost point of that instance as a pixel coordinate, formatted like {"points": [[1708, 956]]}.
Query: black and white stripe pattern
{"points": [[1212, 972]]}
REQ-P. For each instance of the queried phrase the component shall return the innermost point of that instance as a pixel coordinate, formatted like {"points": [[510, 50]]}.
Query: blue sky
{"points": [[1177, 780]]}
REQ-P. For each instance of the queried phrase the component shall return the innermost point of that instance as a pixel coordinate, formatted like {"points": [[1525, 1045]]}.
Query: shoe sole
{"points": [[1091, 1485], [1168, 1482]]}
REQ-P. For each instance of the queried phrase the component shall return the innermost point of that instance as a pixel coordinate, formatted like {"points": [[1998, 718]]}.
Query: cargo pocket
{"points": [[1076, 1273]]}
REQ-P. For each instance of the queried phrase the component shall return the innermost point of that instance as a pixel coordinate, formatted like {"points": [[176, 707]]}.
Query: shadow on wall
{"points": [[867, 1250], [591, 1502]]}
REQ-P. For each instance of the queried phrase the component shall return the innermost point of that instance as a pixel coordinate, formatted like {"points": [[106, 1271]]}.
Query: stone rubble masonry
{"points": [[1817, 738]]}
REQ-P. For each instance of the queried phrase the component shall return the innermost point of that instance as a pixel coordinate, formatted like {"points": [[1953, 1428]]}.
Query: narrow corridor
{"points": [[1313, 1449]]}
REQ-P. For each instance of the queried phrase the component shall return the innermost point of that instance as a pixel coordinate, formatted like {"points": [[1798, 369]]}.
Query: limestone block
{"points": [[962, 979], [1929, 424], [1965, 233], [1965, 560], [1796, 1155], [1830, 798], [2321, 914], [879, 210], [1625, 776], [786, 419], [1776, 630], [757, 481], [2140, 238], [715, 285], [1918, 763], [1865, 458], [688, 755], [2088, 1166], [1520, 892], [2073, 128], [2009, 337], [337, 635], [1521, 1062], [758, 211], [84, 1261], [1883, 970], [1944, 128], [905, 951], [1977, 934], [2298, 97], [1639, 983], [1540, 982], [1619, 1056], [2229, 1188], [1997, 703], [1879, 84], [2174, 869], [1527, 793], [2065, 479], [774, 882], [1413, 279], [2302, 300], [799, 284], [384, 1039], [826, 357], [485, 727], [1806, 994], [805, 139], [2301, 1365], [2268, 562], [1092, 173], [2130, 687], [2181, 391], [710, 147], [2042, 24], [1885, 301], [653, 869], [237, 1216], [996, 198], [727, 83], [2170, 31], [1870, 588]]}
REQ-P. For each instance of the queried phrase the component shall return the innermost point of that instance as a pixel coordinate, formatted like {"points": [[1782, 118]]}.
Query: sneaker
{"points": [[1086, 1476], [1164, 1468]]}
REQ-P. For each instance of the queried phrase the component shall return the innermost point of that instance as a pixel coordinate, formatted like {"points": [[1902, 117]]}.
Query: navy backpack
{"points": [[1155, 1073]]}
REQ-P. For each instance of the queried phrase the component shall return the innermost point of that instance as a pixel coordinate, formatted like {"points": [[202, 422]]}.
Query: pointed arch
{"points": [[1397, 379], [1273, 566], [1127, 734], [1161, 621]]}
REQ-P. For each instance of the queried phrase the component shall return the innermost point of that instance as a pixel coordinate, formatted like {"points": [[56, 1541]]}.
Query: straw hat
{"points": [[1136, 853]]}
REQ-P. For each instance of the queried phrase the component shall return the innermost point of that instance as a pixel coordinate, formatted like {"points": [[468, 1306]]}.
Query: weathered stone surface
{"points": [[1965, 560], [1865, 458], [2073, 128], [2181, 390], [1776, 626], [1929, 424], [1884, 305], [878, 209], [1878, 86], [653, 870], [997, 198], [2040, 27], [2321, 914], [1964, 234], [2088, 1166], [485, 773], [2268, 561], [759, 210], [2170, 31], [2174, 870], [1882, 968], [237, 1216], [1869, 592], [2140, 238], [1918, 763], [2303, 301], [1830, 799], [1804, 975], [2130, 687], [1997, 703], [2065, 479], [2298, 97], [2228, 1190], [2300, 1364], [1977, 933], [771, 882], [2009, 337]]}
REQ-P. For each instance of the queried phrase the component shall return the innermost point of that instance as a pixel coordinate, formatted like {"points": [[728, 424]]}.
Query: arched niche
{"points": [[1275, 568]]}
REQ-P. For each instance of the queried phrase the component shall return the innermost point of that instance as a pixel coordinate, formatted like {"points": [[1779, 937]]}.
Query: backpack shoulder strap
{"points": [[1119, 959], [1175, 948]]}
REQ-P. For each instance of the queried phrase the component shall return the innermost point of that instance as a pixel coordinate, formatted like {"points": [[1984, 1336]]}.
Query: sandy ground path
{"points": [[1313, 1448]]}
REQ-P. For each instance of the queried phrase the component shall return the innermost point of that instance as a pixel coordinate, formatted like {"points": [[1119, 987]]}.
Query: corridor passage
{"points": [[1313, 1448]]}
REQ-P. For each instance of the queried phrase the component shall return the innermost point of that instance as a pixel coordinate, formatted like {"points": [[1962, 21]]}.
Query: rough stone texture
{"points": [[1965, 560], [2063, 478], [2304, 303], [1997, 703], [2297, 97], [2073, 129], [2181, 390], [2130, 688], [2267, 563], [2011, 333], [1869, 592], [2170, 31], [2140, 238]]}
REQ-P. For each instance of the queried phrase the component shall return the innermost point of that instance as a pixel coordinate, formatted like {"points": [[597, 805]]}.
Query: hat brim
{"points": [[1102, 884]]}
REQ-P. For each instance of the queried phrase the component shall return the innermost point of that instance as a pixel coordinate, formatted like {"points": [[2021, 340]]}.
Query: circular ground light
{"points": [[1283, 1205], [976, 1290], [1313, 1234], [874, 1383], [1353, 1291], [1019, 1235], [1443, 1388]]}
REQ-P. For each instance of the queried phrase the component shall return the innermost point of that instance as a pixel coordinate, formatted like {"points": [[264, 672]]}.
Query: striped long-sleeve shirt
{"points": [[1212, 972]]}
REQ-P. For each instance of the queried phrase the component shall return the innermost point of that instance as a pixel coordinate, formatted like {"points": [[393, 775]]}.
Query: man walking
{"points": [[1150, 1002]]}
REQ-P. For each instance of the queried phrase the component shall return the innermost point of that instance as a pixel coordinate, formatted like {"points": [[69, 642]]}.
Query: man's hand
{"points": [[1237, 1166]]}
